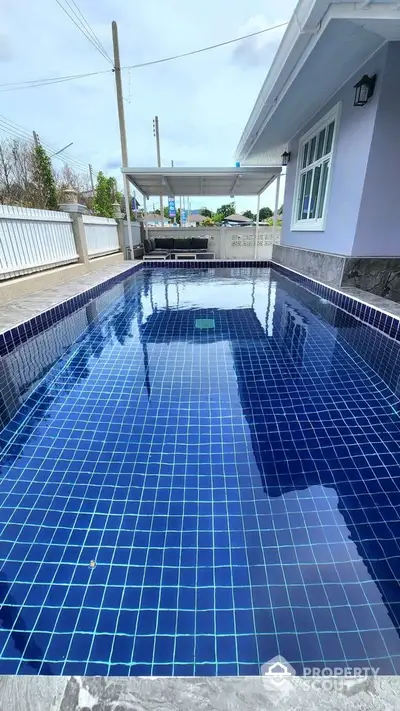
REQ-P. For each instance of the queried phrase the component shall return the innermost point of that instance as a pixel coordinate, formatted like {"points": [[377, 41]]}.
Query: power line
{"points": [[43, 82], [12, 86], [205, 49], [87, 32], [22, 134], [91, 30]]}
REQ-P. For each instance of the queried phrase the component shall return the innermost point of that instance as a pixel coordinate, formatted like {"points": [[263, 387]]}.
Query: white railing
{"points": [[101, 235], [32, 240]]}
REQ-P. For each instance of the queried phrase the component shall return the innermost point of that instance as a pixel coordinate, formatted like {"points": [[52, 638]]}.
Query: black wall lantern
{"points": [[285, 158], [364, 90]]}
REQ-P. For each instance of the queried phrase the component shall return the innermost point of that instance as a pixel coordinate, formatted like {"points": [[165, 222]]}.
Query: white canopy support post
{"points": [[278, 183], [146, 229], [128, 214], [257, 226]]}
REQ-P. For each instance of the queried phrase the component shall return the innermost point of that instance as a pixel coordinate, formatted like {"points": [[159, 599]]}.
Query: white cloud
{"points": [[259, 50], [202, 101]]}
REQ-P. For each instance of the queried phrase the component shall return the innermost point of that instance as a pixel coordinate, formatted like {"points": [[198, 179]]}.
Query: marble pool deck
{"points": [[75, 693], [13, 313]]}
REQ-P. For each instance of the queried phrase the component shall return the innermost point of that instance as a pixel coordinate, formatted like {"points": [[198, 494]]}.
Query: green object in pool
{"points": [[204, 323]]}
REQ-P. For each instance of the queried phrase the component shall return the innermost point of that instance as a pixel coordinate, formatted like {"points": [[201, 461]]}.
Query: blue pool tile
{"points": [[237, 486]]}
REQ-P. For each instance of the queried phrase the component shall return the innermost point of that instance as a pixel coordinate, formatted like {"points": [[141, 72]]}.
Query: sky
{"points": [[203, 102]]}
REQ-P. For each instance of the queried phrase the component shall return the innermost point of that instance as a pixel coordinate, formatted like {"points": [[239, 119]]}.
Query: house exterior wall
{"points": [[377, 231], [348, 170]]}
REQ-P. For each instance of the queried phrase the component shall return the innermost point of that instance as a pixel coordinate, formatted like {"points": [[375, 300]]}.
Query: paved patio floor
{"points": [[15, 312]]}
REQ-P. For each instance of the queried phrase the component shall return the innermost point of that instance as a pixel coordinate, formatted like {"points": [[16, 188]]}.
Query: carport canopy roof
{"points": [[191, 182]]}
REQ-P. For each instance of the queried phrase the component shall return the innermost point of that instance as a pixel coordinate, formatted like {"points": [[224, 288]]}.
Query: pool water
{"points": [[207, 477]]}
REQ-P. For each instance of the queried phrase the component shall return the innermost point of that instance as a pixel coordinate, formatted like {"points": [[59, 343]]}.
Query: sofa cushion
{"points": [[147, 246], [183, 245], [152, 244], [199, 243], [164, 242]]}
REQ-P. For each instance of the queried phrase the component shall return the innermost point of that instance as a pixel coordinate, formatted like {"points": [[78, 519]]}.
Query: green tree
{"points": [[265, 213], [205, 212], [249, 214], [226, 210], [44, 179], [105, 195]]}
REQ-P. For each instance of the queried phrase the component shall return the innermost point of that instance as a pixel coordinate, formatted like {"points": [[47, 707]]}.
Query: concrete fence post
{"points": [[121, 235], [71, 205], [80, 237], [120, 227]]}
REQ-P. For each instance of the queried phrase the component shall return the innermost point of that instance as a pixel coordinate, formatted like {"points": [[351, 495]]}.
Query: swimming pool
{"points": [[206, 477]]}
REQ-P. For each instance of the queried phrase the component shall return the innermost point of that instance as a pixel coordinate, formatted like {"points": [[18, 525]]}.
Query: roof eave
{"points": [[302, 25]]}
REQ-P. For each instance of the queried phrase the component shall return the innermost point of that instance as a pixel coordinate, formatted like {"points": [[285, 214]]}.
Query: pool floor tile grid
{"points": [[197, 500]]}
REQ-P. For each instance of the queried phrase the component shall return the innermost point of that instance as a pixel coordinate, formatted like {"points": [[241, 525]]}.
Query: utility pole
{"points": [[91, 177], [120, 101], [156, 132], [35, 139], [122, 129]]}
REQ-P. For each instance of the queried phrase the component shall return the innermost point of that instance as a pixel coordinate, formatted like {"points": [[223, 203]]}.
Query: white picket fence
{"points": [[135, 226], [33, 240], [101, 235]]}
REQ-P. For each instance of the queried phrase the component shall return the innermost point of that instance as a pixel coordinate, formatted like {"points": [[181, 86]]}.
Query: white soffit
{"points": [[323, 46]]}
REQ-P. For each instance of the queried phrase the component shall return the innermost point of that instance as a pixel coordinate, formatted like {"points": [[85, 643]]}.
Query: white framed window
{"points": [[314, 167]]}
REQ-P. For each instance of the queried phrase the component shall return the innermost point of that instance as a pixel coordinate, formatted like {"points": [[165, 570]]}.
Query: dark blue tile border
{"points": [[209, 263], [17, 335], [389, 325]]}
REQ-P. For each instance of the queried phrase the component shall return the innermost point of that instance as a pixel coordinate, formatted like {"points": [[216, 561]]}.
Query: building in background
{"points": [[237, 221]]}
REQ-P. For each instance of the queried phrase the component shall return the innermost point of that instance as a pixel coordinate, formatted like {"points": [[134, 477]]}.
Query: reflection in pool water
{"points": [[235, 484]]}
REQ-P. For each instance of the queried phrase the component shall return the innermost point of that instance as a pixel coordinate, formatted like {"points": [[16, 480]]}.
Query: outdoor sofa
{"points": [[172, 247]]}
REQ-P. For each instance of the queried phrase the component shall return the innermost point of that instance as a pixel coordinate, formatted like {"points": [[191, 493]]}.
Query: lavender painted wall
{"points": [[378, 227], [349, 166]]}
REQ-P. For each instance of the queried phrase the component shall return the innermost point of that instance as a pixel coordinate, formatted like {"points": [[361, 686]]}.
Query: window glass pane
{"points": [[314, 192], [306, 198], [322, 191], [329, 138], [305, 154], [301, 195], [320, 146], [312, 150]]}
